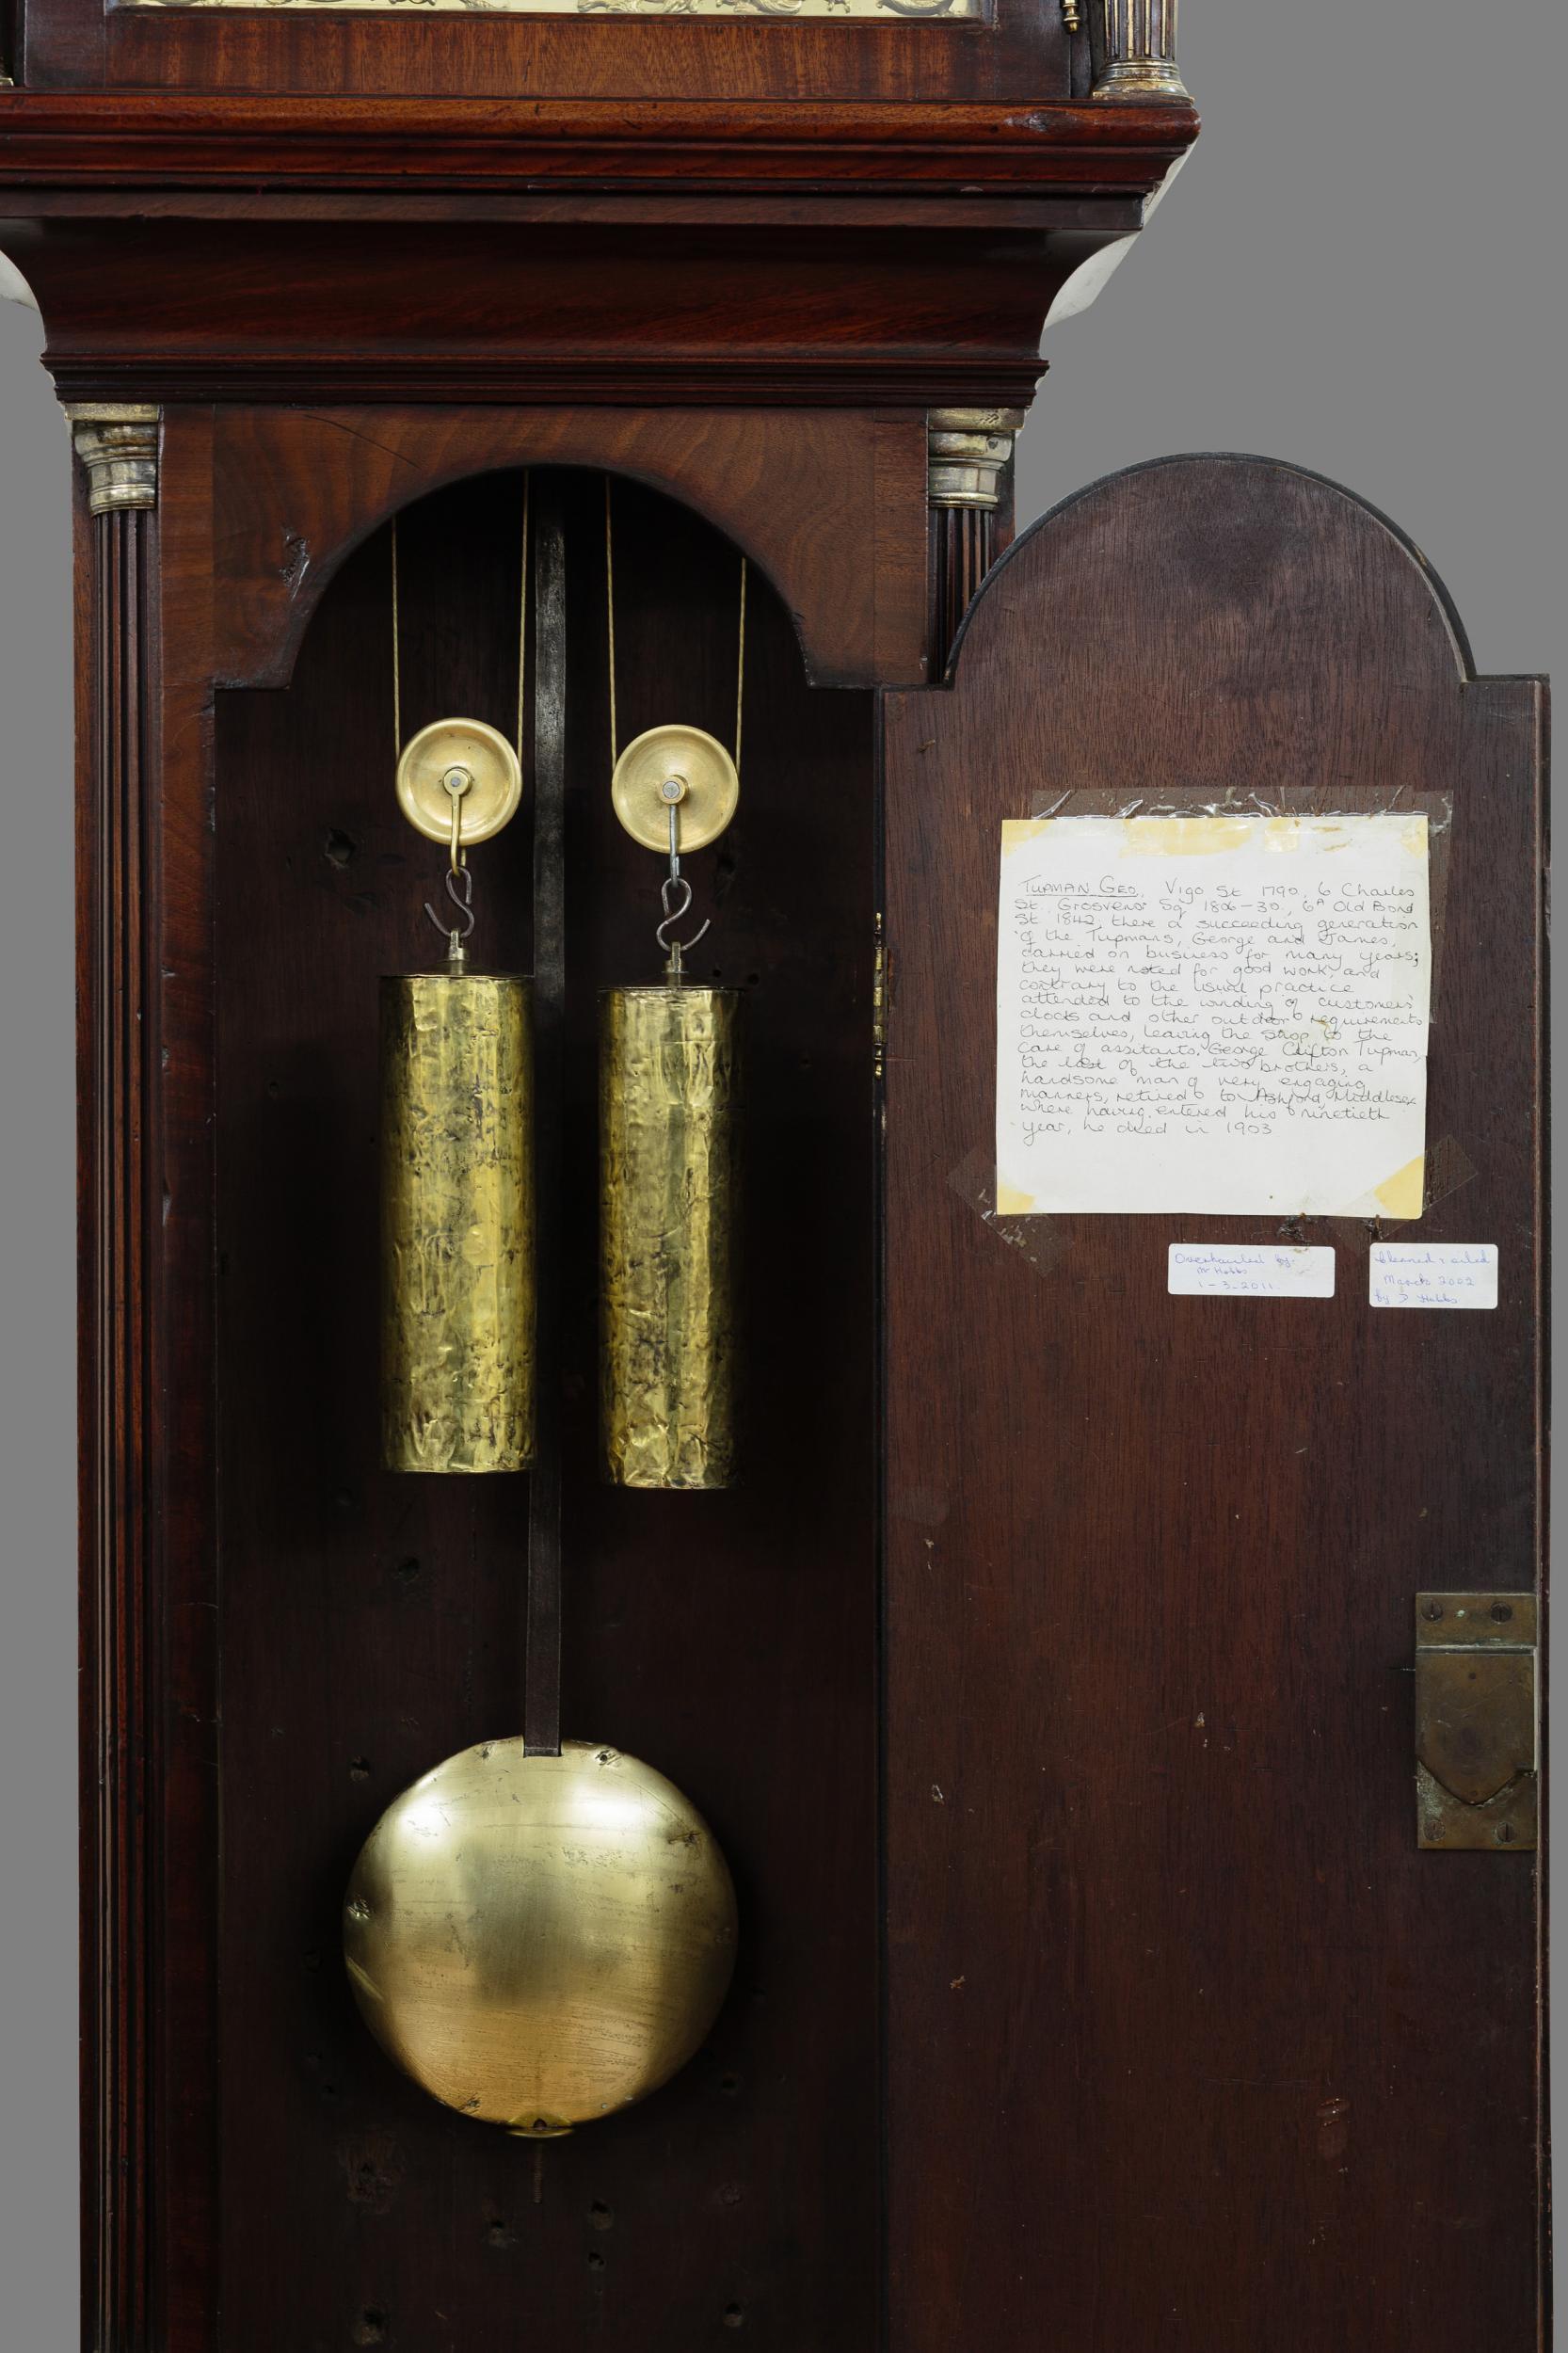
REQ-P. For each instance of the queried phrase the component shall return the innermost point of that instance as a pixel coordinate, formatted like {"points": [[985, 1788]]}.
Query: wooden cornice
{"points": [[141, 141], [542, 250]]}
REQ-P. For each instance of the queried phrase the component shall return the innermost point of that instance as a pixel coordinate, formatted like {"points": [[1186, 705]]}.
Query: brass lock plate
{"points": [[1476, 1721]]}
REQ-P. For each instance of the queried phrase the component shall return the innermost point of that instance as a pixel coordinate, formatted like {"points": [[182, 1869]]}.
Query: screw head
{"points": [[1505, 1833], [1433, 1610], [673, 789], [1501, 1611]]}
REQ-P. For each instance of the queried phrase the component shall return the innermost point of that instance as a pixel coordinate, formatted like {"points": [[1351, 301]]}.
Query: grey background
{"points": [[1356, 271]]}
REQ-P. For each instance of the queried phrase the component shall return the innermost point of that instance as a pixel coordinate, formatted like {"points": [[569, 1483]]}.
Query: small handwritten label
{"points": [[1243, 1270], [1434, 1275]]}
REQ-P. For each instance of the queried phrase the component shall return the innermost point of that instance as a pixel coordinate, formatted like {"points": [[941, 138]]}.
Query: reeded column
{"points": [[117, 658], [971, 462], [1139, 51]]}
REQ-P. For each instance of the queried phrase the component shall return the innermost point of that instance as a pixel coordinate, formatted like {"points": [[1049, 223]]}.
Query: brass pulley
{"points": [[459, 773], [675, 788], [675, 772]]}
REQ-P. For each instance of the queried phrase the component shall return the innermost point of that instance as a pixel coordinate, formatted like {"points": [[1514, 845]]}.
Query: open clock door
{"points": [[1196, 2035]]}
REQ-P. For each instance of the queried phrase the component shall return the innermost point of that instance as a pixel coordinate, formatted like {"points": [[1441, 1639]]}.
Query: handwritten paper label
{"points": [[1226, 1014], [1216, 1270], [1434, 1275]]}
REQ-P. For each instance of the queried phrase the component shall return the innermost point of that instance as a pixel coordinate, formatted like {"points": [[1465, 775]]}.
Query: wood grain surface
{"points": [[316, 138], [752, 316], [830, 507], [1188, 2044]]}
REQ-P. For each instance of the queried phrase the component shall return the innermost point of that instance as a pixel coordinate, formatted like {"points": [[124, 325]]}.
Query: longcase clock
{"points": [[711, 1714]]}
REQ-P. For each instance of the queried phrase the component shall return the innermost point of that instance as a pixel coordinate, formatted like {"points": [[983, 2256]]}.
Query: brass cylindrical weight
{"points": [[669, 1102], [456, 1223]]}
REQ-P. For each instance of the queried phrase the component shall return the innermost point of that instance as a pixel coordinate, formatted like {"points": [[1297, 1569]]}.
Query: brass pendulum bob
{"points": [[541, 1940]]}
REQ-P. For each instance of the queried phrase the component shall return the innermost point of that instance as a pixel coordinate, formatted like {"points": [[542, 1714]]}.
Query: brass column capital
{"points": [[117, 442], [1139, 51], [969, 449]]}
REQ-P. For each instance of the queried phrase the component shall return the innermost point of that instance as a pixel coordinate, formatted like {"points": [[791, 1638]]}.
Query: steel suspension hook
{"points": [[458, 880], [458, 883], [673, 790]]}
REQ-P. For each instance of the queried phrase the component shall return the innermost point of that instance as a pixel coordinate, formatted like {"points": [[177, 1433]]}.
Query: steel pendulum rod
{"points": [[541, 1711]]}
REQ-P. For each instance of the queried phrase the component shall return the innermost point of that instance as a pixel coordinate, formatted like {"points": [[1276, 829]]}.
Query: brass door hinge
{"points": [[879, 1001], [1476, 1720]]}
